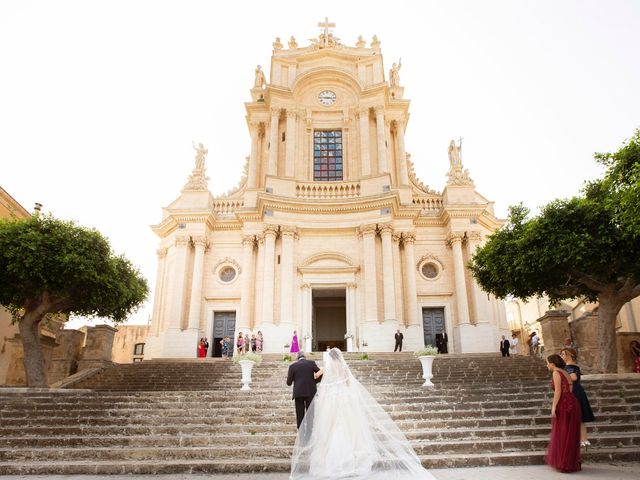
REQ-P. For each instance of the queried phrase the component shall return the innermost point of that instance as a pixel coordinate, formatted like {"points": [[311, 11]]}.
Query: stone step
{"points": [[260, 464]]}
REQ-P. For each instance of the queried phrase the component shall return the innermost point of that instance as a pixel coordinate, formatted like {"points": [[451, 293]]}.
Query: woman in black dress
{"points": [[570, 356]]}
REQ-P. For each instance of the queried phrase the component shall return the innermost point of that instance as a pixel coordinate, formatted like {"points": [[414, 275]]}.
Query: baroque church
{"points": [[329, 233]]}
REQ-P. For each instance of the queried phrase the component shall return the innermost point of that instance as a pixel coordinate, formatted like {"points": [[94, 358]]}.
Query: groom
{"points": [[301, 374]]}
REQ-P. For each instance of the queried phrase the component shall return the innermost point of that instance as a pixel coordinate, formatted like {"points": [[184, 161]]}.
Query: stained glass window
{"points": [[327, 155]]}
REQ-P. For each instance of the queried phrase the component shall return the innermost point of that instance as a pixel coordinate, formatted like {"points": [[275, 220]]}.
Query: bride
{"points": [[346, 433]]}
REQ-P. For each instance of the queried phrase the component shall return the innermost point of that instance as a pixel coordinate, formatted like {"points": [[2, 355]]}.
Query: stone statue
{"points": [[394, 76], [455, 157], [292, 42], [277, 44], [360, 42], [375, 43], [260, 80], [201, 153]]}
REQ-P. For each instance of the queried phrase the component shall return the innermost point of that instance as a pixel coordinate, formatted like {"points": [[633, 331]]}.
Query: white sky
{"points": [[100, 100]]}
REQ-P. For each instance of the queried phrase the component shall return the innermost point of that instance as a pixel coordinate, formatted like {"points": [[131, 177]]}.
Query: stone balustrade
{"points": [[328, 190], [429, 205]]}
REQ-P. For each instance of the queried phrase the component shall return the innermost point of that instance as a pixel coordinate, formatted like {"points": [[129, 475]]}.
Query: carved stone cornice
{"points": [[385, 228]]}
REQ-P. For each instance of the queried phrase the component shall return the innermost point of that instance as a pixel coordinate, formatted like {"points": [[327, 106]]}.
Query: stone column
{"points": [[179, 280], [288, 235], [244, 320], [252, 174], [382, 148], [403, 175], [462, 302], [195, 307], [272, 168], [352, 317], [307, 329], [270, 234], [368, 233], [290, 151], [408, 239], [386, 231], [365, 161], [158, 300], [479, 299]]}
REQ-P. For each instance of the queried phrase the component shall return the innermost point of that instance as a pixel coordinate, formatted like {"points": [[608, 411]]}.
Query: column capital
{"points": [[385, 228], [292, 114], [379, 109], [396, 237], [454, 237], [352, 285], [363, 111], [475, 236], [408, 237], [275, 112], [182, 240], [367, 230], [162, 252], [288, 231], [305, 285], [200, 241], [249, 240], [399, 124], [270, 229]]}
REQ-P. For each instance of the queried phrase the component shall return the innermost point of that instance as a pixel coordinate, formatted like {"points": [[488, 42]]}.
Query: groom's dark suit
{"points": [[304, 385]]}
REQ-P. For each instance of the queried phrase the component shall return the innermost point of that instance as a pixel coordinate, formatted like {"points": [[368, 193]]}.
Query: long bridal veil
{"points": [[346, 433]]}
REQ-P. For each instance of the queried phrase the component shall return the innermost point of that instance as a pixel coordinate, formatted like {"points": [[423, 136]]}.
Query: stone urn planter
{"points": [[247, 367], [426, 356], [247, 361]]}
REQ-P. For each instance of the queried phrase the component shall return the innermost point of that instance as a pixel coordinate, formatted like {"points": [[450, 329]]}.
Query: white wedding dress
{"points": [[347, 434]]}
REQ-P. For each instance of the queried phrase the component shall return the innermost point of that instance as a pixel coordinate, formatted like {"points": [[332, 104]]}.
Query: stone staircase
{"points": [[189, 416]]}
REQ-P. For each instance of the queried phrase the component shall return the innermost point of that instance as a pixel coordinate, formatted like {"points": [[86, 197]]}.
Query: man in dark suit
{"points": [[505, 345], [302, 375], [399, 338]]}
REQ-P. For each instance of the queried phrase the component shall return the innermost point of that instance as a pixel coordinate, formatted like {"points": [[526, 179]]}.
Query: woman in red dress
{"points": [[201, 349], [564, 446]]}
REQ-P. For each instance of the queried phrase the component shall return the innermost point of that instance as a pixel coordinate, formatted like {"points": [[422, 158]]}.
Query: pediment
{"points": [[328, 262]]}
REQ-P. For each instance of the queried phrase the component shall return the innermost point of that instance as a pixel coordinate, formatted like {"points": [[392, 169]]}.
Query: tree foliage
{"points": [[55, 266], [586, 246]]}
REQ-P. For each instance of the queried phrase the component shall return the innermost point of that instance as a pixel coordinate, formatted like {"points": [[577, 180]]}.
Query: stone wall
{"points": [[125, 340]]}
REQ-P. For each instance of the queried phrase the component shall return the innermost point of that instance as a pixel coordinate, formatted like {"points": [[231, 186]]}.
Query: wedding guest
{"points": [[240, 343], [563, 452], [206, 346], [226, 347], [201, 350], [635, 352], [253, 342], [399, 337], [294, 343], [514, 344], [505, 346], [259, 341], [247, 343], [569, 355]]}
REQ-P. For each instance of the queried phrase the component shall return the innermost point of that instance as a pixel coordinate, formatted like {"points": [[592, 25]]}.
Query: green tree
{"points": [[53, 266], [584, 247]]}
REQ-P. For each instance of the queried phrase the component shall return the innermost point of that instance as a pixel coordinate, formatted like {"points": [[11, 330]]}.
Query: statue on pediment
{"points": [[394, 74], [455, 155], [260, 80]]}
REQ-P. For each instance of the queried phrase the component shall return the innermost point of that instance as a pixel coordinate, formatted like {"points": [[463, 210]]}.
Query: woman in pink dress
{"points": [[294, 343], [240, 344], [563, 453]]}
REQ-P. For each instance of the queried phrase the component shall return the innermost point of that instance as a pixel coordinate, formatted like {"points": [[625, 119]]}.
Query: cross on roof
{"points": [[326, 26]]}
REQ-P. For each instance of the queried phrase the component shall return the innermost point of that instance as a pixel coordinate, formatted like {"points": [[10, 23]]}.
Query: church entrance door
{"points": [[224, 324], [329, 321], [434, 328]]}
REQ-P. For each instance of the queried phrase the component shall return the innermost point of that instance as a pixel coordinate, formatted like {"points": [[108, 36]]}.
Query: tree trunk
{"points": [[608, 309], [33, 359]]}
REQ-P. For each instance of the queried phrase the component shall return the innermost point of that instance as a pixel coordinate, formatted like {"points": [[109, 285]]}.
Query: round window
{"points": [[430, 270], [227, 274]]}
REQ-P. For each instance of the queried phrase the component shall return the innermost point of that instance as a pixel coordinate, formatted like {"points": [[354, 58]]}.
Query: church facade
{"points": [[329, 233]]}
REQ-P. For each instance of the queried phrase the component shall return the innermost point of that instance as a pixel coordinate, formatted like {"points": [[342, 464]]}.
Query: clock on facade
{"points": [[327, 97]]}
